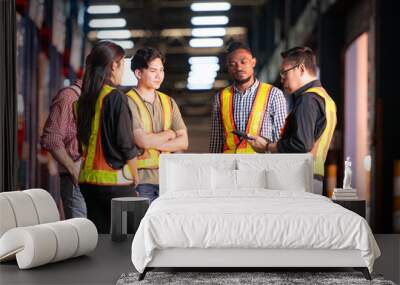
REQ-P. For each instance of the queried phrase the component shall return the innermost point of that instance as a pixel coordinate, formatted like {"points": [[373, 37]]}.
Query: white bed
{"points": [[219, 210]]}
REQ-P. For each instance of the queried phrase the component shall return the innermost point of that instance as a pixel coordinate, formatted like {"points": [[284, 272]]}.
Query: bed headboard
{"points": [[281, 163]]}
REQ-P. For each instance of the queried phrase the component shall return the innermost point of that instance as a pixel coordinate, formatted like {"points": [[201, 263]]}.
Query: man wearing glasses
{"points": [[248, 107], [310, 125]]}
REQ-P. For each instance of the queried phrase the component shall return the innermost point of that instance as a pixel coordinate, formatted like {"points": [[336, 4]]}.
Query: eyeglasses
{"points": [[282, 73]]}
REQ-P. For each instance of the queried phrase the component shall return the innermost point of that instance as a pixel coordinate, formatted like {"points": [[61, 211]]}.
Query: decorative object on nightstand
{"points": [[119, 209], [347, 174], [347, 192]]}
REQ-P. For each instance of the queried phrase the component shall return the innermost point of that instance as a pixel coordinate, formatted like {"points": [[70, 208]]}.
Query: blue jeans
{"points": [[317, 186], [78, 205], [73, 202], [150, 191]]}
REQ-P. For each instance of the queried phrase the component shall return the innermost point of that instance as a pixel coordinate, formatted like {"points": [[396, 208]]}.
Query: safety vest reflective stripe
{"points": [[144, 112], [254, 123], [150, 157], [166, 104], [226, 99], [321, 146], [95, 169]]}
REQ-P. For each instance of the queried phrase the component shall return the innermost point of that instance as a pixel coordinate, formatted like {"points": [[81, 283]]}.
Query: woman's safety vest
{"points": [[95, 169], [321, 146], [151, 157], [232, 143]]}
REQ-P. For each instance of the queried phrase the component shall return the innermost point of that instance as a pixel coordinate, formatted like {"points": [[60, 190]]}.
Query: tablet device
{"points": [[241, 134]]}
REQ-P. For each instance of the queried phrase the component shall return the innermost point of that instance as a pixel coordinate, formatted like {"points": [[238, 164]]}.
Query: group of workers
{"points": [[108, 143]]}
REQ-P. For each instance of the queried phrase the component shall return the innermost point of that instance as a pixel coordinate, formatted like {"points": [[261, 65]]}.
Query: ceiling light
{"points": [[205, 67], [113, 34], [210, 6], [209, 20], [199, 80], [107, 23], [125, 44], [128, 78], [103, 9], [199, 86], [206, 42], [203, 59], [208, 32], [174, 33], [199, 73]]}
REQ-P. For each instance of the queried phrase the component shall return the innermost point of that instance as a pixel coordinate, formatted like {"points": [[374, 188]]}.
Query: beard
{"points": [[242, 81]]}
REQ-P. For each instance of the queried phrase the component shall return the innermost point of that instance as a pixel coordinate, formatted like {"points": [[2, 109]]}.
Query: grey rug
{"points": [[242, 278]]}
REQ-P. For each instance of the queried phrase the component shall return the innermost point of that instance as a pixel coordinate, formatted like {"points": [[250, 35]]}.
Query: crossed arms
{"points": [[170, 141]]}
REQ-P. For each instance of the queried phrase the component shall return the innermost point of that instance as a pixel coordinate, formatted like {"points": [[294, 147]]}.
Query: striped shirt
{"points": [[60, 128], [273, 121]]}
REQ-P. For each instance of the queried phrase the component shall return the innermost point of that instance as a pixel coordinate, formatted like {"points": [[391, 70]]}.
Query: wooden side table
{"points": [[357, 206], [119, 208]]}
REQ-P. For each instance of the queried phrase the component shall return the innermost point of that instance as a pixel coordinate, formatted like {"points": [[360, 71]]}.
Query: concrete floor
{"points": [[106, 264], [389, 263]]}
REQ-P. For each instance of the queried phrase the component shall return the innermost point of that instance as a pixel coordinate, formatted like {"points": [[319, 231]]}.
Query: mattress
{"points": [[251, 219]]}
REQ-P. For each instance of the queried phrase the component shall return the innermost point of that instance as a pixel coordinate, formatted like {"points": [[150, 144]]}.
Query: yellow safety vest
{"points": [[150, 159], [321, 146], [254, 123], [95, 169]]}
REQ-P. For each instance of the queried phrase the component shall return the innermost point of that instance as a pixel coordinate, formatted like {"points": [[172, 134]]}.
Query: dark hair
{"points": [[299, 55], [144, 56], [97, 73], [235, 45]]}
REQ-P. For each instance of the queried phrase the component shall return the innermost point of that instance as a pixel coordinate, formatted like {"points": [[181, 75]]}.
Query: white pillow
{"points": [[221, 163], [251, 178], [283, 172], [183, 177], [291, 179], [223, 179]]}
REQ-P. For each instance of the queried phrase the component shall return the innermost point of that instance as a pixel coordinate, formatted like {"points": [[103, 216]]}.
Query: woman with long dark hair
{"points": [[105, 133]]}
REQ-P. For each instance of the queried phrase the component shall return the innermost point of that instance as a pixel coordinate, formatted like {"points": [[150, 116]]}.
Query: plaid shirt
{"points": [[60, 128], [274, 118]]}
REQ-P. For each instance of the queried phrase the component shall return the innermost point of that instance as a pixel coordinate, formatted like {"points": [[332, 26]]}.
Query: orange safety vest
{"points": [[95, 169], [150, 159], [321, 146], [254, 123]]}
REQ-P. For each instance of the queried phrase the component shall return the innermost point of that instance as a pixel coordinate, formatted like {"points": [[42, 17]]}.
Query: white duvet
{"points": [[250, 218]]}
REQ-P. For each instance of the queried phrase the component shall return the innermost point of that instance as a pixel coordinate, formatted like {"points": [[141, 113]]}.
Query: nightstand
{"points": [[357, 206], [119, 208]]}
